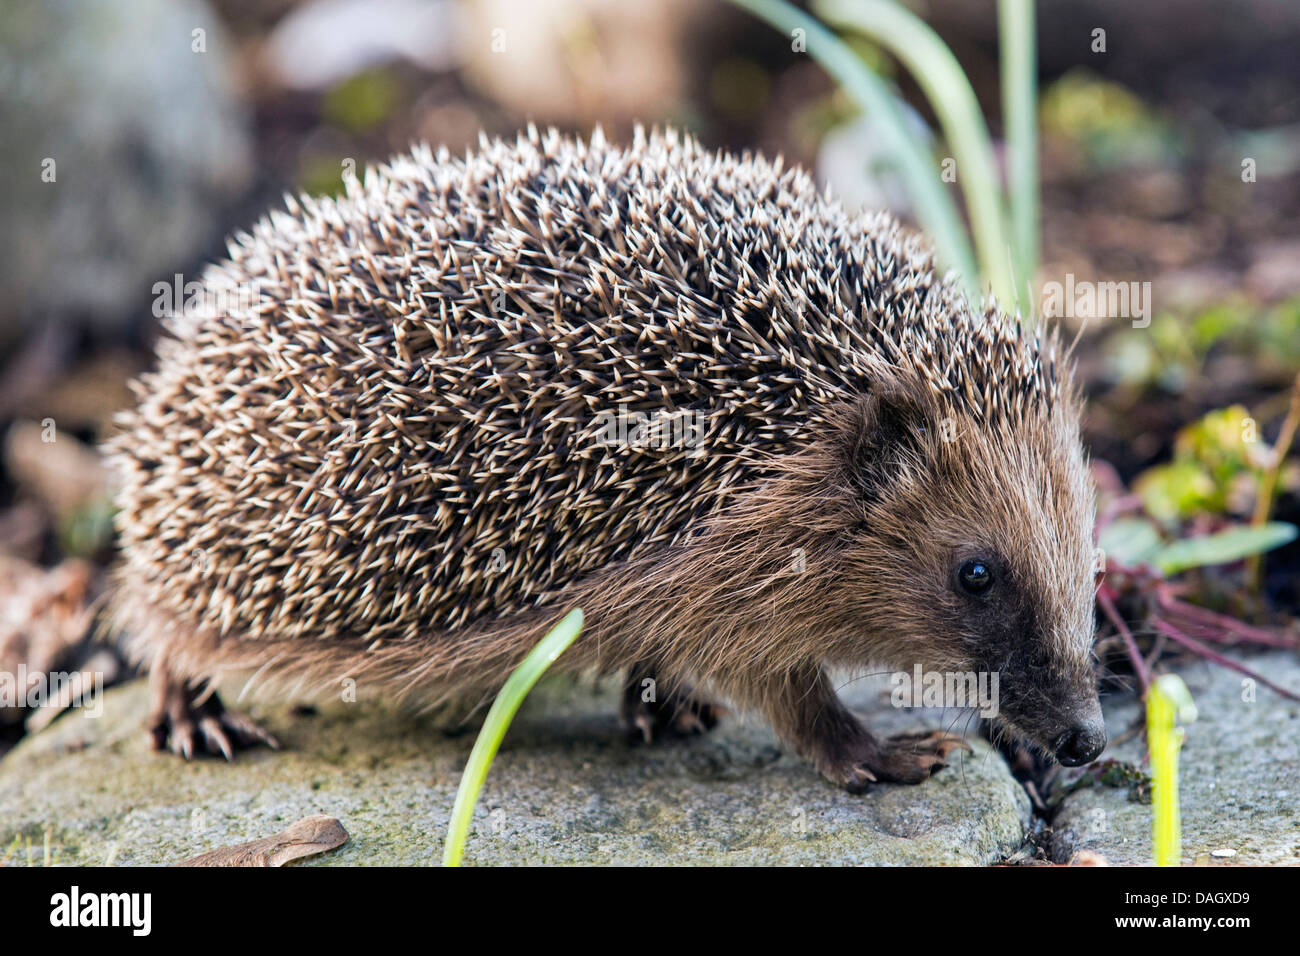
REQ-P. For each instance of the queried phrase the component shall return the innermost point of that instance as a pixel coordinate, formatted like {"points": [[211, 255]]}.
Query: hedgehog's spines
{"points": [[404, 431]]}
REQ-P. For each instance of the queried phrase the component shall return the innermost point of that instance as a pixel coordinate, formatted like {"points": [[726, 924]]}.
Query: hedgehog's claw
{"points": [[248, 733], [645, 722], [189, 720], [857, 778], [214, 735], [182, 739]]}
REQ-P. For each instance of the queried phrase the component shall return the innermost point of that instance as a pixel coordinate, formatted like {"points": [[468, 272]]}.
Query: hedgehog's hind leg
{"points": [[187, 717], [651, 711]]}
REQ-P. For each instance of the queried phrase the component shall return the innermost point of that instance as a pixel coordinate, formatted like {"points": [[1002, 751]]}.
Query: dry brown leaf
{"points": [[307, 837], [44, 613]]}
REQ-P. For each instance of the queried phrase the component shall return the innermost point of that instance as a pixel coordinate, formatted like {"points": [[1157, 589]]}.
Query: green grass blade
{"points": [[909, 39], [1019, 62], [935, 210], [498, 720], [1168, 702]]}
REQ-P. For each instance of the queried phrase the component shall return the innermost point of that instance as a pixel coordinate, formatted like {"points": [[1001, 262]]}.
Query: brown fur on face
{"points": [[388, 466], [945, 486]]}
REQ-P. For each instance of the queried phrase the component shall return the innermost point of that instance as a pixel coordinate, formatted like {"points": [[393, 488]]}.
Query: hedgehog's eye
{"points": [[976, 576]]}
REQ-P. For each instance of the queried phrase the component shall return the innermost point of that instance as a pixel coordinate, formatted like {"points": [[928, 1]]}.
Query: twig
{"points": [[1106, 598], [1268, 484], [1209, 653], [1204, 617]]}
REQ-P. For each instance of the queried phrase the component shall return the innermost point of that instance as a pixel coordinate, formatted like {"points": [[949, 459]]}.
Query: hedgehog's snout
{"points": [[1076, 732], [1053, 702], [1081, 743], [1084, 734]]}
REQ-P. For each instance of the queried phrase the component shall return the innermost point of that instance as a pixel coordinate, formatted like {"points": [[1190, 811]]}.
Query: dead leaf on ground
{"points": [[308, 837], [44, 613]]}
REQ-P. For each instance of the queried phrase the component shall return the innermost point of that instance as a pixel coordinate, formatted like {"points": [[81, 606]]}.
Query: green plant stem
{"points": [[935, 210], [1019, 64], [1167, 703], [908, 38], [494, 729]]}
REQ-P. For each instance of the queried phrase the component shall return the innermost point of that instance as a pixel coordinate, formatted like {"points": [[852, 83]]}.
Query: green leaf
{"points": [[936, 71], [1223, 547], [1177, 490], [934, 207], [1130, 541], [503, 710]]}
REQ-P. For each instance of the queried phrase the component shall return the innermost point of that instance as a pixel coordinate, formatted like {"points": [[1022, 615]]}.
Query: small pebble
{"points": [[1223, 853]]}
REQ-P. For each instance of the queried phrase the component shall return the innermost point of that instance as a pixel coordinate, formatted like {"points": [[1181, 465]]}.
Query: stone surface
{"points": [[566, 788], [1239, 776]]}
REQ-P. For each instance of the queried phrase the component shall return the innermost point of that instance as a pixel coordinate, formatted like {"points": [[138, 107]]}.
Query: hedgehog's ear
{"points": [[882, 429]]}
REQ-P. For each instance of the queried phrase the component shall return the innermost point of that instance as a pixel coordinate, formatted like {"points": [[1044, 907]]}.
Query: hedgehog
{"points": [[756, 438]]}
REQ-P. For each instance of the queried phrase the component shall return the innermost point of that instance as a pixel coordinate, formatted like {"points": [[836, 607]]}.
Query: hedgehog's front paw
{"points": [[911, 758], [650, 715], [907, 758], [189, 720]]}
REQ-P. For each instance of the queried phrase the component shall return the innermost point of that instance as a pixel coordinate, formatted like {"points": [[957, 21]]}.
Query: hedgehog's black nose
{"points": [[1081, 744]]}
